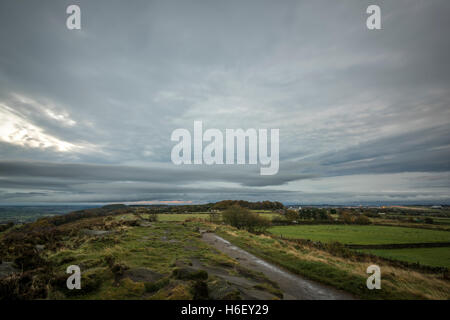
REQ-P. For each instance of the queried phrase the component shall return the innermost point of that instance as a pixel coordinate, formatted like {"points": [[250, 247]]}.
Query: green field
{"points": [[270, 215], [181, 216], [441, 220], [353, 234], [184, 216], [435, 257], [436, 220]]}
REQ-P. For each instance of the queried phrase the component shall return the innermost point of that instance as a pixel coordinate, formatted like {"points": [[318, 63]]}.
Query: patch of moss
{"points": [[267, 287], [151, 287]]}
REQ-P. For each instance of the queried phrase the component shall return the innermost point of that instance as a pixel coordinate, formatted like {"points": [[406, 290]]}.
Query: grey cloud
{"points": [[424, 150], [347, 100], [244, 175]]}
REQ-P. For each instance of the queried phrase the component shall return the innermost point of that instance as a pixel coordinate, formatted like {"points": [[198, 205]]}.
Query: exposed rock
{"points": [[6, 269], [190, 248], [252, 294], [188, 273], [222, 290], [142, 275], [182, 264], [95, 232]]}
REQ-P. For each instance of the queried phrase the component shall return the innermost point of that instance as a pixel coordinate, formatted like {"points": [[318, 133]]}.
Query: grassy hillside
{"points": [[124, 255]]}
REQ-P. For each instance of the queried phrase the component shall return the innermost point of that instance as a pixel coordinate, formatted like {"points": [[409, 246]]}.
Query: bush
{"points": [[200, 290], [151, 287], [338, 249], [28, 258], [153, 217], [6, 226], [243, 218], [291, 215], [362, 219], [345, 217]]}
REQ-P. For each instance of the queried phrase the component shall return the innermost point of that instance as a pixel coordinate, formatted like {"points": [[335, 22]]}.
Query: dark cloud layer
{"points": [[162, 174]]}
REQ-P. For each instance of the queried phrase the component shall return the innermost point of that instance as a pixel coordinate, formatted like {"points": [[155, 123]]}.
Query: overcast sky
{"points": [[86, 115]]}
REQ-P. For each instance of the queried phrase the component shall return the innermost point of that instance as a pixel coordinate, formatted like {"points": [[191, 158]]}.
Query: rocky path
{"points": [[293, 286]]}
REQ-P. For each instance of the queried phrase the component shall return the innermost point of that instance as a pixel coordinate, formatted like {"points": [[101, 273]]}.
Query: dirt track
{"points": [[293, 286]]}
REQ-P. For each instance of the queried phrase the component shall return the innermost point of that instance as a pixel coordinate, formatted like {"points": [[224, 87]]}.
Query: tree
{"points": [[243, 218], [362, 219], [345, 217], [291, 215]]}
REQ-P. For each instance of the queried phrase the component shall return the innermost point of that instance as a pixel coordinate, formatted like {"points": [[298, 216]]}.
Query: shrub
{"points": [[6, 226], [338, 249], [9, 288], [362, 219], [200, 290], [291, 215], [243, 218], [28, 258], [25, 286], [345, 217]]}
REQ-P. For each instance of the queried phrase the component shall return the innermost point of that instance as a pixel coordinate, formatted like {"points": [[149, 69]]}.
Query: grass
{"points": [[342, 273], [181, 216], [354, 234], [270, 216], [441, 220], [403, 223], [135, 247], [435, 257], [160, 247], [184, 216]]}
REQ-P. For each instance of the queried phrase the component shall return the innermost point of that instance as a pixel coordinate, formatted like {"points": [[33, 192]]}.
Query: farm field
{"points": [[435, 257], [439, 220], [442, 220], [399, 223], [269, 215], [354, 234], [181, 216], [184, 216]]}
